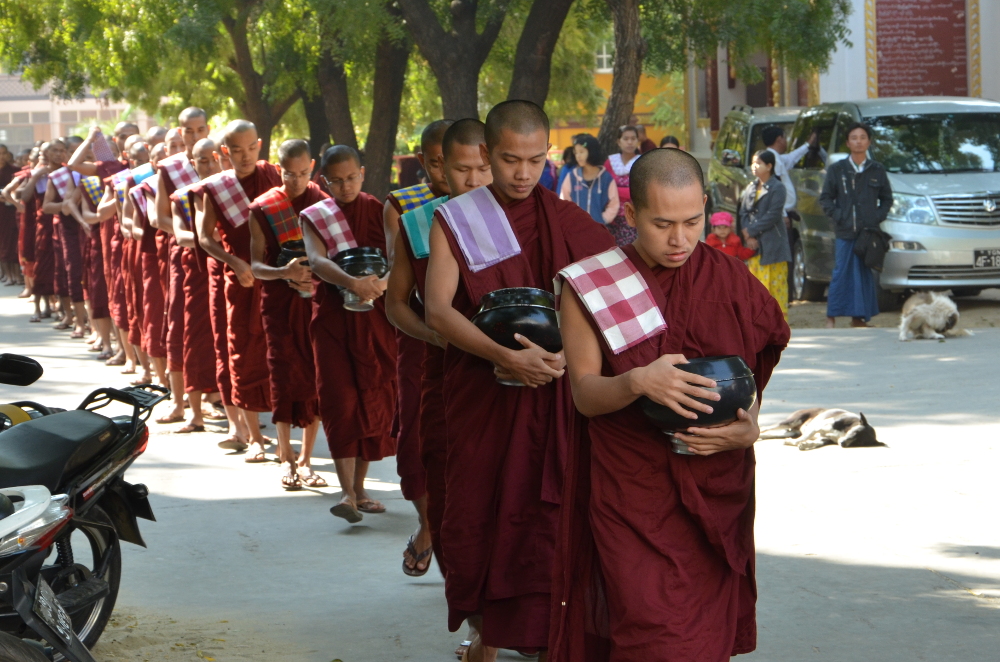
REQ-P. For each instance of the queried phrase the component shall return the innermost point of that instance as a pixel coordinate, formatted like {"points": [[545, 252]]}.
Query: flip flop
{"points": [[167, 420], [346, 511], [256, 458], [290, 480], [112, 361], [371, 506], [232, 444], [189, 428], [34, 319], [417, 558], [462, 647], [104, 356], [311, 479], [76, 335], [213, 415]]}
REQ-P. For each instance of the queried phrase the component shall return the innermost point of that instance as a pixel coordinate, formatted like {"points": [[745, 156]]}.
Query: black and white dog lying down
{"points": [[809, 429]]}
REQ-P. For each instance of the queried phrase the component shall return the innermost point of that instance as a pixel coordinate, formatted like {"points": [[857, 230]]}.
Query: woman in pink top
{"points": [[619, 166]]}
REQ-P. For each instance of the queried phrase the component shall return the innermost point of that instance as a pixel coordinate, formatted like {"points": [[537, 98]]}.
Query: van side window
{"points": [[844, 122], [819, 129], [722, 139]]}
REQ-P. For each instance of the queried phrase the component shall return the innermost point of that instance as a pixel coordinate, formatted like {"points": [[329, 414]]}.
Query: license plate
{"points": [[47, 608], [987, 259]]}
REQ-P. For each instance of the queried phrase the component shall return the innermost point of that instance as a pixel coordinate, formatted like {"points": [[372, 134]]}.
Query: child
{"points": [[725, 239]]}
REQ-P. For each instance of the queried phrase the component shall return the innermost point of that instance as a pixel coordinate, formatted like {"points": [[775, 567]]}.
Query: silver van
{"points": [[942, 155]]}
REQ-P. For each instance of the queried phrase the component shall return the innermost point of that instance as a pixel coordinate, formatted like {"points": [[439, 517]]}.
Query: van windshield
{"points": [[939, 143]]}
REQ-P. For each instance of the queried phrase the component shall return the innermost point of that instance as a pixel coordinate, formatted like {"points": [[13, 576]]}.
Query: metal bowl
{"points": [[735, 383], [360, 262]]}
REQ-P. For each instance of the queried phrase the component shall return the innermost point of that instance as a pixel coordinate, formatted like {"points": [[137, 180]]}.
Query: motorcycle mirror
{"points": [[18, 370]]}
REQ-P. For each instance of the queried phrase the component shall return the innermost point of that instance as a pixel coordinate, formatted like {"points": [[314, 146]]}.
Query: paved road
{"points": [[877, 554]]}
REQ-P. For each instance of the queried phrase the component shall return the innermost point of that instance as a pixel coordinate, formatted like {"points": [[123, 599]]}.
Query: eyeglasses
{"points": [[340, 182]]}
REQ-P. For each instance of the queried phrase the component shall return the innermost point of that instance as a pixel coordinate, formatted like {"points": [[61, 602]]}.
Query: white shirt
{"points": [[782, 162]]}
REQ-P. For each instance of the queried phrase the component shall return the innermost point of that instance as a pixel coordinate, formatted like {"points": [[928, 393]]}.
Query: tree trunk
{"points": [[630, 49], [533, 59], [319, 127], [333, 90], [391, 58], [455, 56]]}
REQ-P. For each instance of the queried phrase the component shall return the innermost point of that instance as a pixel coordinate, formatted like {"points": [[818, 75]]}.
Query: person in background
{"points": [[670, 142], [776, 143], [645, 144], [619, 165], [568, 163], [550, 176], [856, 195], [723, 238], [761, 217], [589, 185]]}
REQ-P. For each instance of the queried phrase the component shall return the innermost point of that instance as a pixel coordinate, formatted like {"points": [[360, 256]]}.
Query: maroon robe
{"points": [[153, 301], [68, 232], [97, 287], [246, 343], [220, 327], [45, 256], [656, 549], [175, 306], [111, 240], [355, 356], [431, 424], [26, 230], [8, 219], [505, 443], [286, 326]]}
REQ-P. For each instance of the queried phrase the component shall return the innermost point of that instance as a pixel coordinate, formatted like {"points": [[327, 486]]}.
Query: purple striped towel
{"points": [[481, 228]]}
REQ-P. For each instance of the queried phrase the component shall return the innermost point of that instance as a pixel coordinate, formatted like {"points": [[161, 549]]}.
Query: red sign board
{"points": [[921, 48]]}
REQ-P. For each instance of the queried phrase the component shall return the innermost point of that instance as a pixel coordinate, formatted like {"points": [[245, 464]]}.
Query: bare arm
{"points": [[532, 366], [298, 275], [397, 300], [367, 288], [185, 237], [10, 191], [49, 204], [614, 203], [390, 221], [205, 224], [73, 205], [78, 162], [595, 394], [126, 223], [161, 205], [105, 209], [566, 192]]}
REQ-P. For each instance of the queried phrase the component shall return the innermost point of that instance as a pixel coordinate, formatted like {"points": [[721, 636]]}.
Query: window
{"points": [[88, 115], [843, 123], [605, 58], [108, 114], [938, 143], [19, 118], [39, 118], [756, 139], [67, 116], [819, 125], [4, 118]]}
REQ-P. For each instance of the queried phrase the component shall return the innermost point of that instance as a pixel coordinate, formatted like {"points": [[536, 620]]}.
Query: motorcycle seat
{"points": [[48, 450]]}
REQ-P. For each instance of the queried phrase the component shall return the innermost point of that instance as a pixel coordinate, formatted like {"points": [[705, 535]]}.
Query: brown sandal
{"points": [[290, 480]]}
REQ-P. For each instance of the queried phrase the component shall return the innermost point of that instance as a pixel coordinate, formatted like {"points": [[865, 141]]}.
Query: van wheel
{"points": [[801, 287], [888, 300]]}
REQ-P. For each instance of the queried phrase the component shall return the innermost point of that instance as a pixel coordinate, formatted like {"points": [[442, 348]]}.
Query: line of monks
{"points": [[562, 522]]}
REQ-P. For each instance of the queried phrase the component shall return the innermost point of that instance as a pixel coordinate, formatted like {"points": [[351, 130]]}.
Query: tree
{"points": [[391, 58], [630, 49], [533, 60], [457, 52]]}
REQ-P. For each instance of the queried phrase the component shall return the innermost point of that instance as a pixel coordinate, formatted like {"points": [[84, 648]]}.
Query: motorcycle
{"points": [[64, 509]]}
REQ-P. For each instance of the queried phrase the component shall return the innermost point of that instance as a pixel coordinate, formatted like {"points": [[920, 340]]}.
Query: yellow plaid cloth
{"points": [[94, 188], [412, 197]]}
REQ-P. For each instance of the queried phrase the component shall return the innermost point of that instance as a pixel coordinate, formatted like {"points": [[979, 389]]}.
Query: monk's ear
{"points": [[630, 213], [312, 165], [420, 157], [485, 153], [362, 174]]}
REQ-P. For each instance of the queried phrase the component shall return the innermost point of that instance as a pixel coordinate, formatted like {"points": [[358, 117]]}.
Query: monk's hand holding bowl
{"points": [[243, 273], [532, 366], [297, 272], [741, 433], [368, 288], [672, 387]]}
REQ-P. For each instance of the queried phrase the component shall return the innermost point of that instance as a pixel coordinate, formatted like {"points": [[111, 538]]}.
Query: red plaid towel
{"points": [[331, 224], [617, 296], [229, 195], [143, 193], [62, 179], [102, 150], [280, 214], [182, 199], [179, 170]]}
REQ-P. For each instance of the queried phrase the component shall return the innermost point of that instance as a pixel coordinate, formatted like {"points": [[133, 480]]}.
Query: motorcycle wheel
{"points": [[13, 649], [89, 543]]}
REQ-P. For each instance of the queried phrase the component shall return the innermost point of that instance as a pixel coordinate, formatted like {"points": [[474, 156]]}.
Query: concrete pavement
{"points": [[873, 554]]}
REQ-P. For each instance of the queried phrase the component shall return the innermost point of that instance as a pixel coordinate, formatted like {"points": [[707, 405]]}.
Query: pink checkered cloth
{"points": [[178, 167], [144, 192], [329, 221], [229, 195], [617, 296], [481, 228], [65, 180], [102, 150]]}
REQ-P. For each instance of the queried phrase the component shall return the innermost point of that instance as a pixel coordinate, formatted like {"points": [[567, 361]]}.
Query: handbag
{"points": [[871, 245]]}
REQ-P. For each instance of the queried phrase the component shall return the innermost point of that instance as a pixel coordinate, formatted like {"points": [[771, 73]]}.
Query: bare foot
{"points": [[421, 542], [480, 653], [831, 322]]}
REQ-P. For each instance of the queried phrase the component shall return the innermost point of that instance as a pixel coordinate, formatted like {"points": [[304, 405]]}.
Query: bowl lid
{"points": [[718, 368]]}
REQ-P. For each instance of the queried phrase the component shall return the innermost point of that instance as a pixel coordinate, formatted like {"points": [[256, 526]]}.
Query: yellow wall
{"points": [[561, 135]]}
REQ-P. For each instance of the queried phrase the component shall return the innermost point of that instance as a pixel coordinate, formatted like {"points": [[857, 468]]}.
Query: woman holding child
{"points": [[762, 220]]}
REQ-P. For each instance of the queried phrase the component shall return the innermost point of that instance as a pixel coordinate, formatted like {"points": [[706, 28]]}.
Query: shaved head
{"points": [[126, 129], [670, 168], [158, 151], [174, 140], [206, 144], [190, 113], [433, 133], [291, 149], [468, 132], [340, 154], [516, 115], [155, 135], [235, 127]]}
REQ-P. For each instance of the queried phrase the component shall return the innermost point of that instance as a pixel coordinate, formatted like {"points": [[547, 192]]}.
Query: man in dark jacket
{"points": [[856, 195]]}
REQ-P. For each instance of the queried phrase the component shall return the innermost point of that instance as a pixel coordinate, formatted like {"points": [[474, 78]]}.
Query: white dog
{"points": [[929, 316], [809, 429]]}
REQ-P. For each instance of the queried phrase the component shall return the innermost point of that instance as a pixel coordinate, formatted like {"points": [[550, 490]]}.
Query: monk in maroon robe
{"points": [[227, 198], [464, 171], [286, 306], [656, 549], [505, 443], [45, 264], [9, 267], [355, 352], [10, 195], [132, 276]]}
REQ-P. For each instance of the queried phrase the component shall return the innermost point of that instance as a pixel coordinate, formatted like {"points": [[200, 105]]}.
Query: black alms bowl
{"points": [[291, 250], [525, 310], [362, 261], [735, 383]]}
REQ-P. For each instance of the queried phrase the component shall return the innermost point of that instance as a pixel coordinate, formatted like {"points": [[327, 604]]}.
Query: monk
{"points": [[199, 343], [173, 171], [355, 352], [10, 270], [131, 264], [504, 442], [464, 171], [286, 306], [26, 221], [669, 537], [410, 352], [226, 201], [155, 135], [52, 156]]}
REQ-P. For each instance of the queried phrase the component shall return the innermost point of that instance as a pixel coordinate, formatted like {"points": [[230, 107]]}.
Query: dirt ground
{"points": [[978, 312]]}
